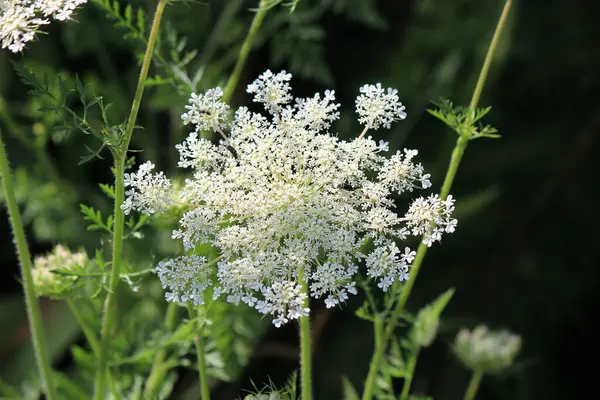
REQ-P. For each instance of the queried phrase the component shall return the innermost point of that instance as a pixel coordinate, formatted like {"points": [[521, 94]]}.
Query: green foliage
{"points": [[464, 120]]}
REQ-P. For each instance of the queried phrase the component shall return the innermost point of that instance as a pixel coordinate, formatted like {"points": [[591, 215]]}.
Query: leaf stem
{"points": [[200, 346], [120, 155], [157, 371], [33, 309], [305, 343], [410, 369], [473, 385], [244, 51], [457, 154]]}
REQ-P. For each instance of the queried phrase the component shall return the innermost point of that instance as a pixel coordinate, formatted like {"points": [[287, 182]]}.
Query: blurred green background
{"points": [[525, 255]]}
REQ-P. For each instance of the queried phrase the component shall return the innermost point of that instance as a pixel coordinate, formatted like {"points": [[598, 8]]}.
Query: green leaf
{"points": [[349, 391]]}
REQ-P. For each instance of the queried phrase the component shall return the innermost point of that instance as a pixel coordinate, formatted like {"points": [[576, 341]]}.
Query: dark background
{"points": [[525, 255]]}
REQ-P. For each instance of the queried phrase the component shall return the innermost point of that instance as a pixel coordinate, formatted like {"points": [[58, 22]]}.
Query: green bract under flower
{"points": [[281, 193]]}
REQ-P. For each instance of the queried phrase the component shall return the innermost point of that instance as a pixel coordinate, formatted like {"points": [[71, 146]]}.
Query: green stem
{"points": [[244, 51], [91, 338], [410, 369], [157, 371], [489, 57], [457, 154], [305, 344], [473, 385], [33, 309], [200, 348], [120, 155]]}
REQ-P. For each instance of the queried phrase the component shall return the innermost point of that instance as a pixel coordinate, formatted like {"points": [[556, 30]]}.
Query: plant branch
{"points": [[120, 154], [457, 153], [33, 309]]}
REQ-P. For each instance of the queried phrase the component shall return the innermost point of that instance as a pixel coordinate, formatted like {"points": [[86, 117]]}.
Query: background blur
{"points": [[526, 252]]}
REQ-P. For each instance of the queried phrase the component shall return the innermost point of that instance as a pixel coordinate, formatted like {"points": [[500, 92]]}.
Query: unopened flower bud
{"points": [[53, 284], [489, 352]]}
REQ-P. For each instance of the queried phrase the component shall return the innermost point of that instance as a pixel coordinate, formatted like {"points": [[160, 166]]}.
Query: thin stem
{"points": [[91, 338], [457, 154], [305, 344], [157, 371], [489, 57], [473, 385], [363, 133], [410, 369], [33, 309], [120, 155], [200, 347], [244, 51]]}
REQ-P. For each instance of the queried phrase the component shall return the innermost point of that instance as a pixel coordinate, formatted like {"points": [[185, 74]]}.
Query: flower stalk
{"points": [[120, 155], [457, 154], [473, 385], [200, 344], [33, 309], [305, 344], [245, 50]]}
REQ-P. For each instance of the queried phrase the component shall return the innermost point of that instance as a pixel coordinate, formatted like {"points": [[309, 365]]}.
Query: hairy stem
{"points": [[457, 154], [33, 309], [120, 155], [200, 346], [157, 371], [473, 385], [244, 51], [305, 344]]}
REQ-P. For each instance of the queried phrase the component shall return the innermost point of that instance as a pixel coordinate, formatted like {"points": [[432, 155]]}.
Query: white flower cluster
{"points": [[147, 192], [49, 283], [377, 108], [21, 19], [283, 198]]}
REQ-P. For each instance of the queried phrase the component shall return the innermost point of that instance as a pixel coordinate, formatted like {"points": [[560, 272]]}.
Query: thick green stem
{"points": [[201, 360], [457, 154], [158, 372], [410, 372], [120, 155], [305, 344], [244, 51], [33, 309], [473, 385]]}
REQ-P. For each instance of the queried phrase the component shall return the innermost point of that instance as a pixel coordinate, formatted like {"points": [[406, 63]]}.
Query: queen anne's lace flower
{"points": [[272, 90], [377, 108], [45, 277], [430, 217], [280, 195], [148, 193], [186, 278], [21, 19], [207, 111]]}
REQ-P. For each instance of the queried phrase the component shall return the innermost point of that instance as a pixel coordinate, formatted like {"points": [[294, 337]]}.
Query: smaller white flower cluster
{"points": [[287, 203], [431, 218], [48, 283], [207, 111], [147, 192], [377, 108], [485, 350], [185, 277], [21, 19]]}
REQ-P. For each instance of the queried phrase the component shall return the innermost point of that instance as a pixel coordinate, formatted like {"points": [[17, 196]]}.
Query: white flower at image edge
{"points": [[21, 19], [279, 194]]}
